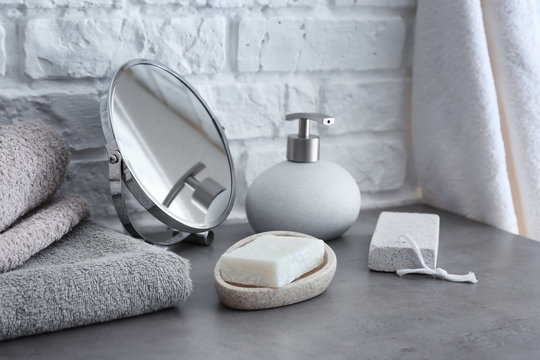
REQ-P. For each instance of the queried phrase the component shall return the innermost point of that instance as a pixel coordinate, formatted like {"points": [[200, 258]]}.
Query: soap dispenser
{"points": [[304, 194]]}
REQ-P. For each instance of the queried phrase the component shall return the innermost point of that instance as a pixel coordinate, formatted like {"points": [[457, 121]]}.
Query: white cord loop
{"points": [[438, 272]]}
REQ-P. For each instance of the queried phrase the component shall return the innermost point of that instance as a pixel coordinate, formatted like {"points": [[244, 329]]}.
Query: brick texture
{"points": [[283, 44], [383, 3], [253, 61], [82, 47], [248, 111], [370, 106], [74, 116], [50, 4]]}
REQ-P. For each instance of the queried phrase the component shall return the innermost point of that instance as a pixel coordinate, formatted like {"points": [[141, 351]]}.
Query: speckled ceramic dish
{"points": [[307, 286]]}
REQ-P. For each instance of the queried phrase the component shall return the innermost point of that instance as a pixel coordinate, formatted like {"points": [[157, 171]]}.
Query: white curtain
{"points": [[476, 110]]}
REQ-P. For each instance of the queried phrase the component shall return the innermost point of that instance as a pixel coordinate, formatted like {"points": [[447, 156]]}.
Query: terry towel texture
{"points": [[33, 161], [91, 275], [50, 280], [39, 229], [475, 110]]}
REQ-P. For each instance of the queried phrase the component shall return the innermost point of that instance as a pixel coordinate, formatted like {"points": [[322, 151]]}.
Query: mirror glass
{"points": [[172, 146]]}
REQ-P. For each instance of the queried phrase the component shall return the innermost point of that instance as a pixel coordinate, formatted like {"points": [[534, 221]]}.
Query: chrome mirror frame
{"points": [[120, 173]]}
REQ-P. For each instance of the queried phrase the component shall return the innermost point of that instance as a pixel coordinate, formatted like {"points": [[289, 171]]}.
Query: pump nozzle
{"points": [[305, 147]]}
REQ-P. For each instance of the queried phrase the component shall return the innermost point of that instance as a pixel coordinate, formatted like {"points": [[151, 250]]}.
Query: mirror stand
{"points": [[168, 153], [119, 174]]}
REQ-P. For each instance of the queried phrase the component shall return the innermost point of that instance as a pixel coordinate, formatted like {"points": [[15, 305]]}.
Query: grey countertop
{"points": [[362, 315]]}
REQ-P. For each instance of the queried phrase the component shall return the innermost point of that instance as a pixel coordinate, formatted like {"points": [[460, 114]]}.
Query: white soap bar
{"points": [[387, 253], [272, 261]]}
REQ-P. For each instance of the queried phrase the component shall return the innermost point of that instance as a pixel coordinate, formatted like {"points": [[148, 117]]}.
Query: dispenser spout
{"points": [[304, 118], [304, 147]]}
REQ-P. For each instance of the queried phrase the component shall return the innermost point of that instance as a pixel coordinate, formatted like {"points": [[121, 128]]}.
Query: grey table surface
{"points": [[362, 315]]}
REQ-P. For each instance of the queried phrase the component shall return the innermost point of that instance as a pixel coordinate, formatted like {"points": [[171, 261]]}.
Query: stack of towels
{"points": [[57, 269]]}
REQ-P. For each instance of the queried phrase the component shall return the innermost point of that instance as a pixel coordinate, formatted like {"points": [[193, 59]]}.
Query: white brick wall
{"points": [[253, 61], [296, 45]]}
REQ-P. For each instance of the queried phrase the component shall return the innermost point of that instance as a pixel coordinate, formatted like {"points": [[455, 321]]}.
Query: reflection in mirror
{"points": [[171, 145]]}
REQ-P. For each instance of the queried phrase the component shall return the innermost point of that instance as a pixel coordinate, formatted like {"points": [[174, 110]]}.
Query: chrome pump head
{"points": [[304, 147]]}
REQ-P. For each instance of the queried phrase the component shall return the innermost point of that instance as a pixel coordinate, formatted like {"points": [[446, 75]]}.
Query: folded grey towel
{"points": [[91, 275], [33, 161], [40, 228]]}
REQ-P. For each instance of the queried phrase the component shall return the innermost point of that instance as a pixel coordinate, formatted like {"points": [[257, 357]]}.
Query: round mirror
{"points": [[167, 147]]}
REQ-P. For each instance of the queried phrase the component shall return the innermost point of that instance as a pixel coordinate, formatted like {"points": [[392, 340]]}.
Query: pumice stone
{"points": [[387, 253], [303, 194]]}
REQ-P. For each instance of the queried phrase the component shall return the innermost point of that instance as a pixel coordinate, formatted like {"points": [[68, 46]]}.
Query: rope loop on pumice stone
{"points": [[438, 272]]}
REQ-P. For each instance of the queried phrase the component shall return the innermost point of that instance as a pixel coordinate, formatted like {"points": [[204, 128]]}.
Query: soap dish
{"points": [[248, 297]]}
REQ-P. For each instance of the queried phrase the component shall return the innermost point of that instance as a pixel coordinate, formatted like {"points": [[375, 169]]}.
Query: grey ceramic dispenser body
{"points": [[304, 194]]}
